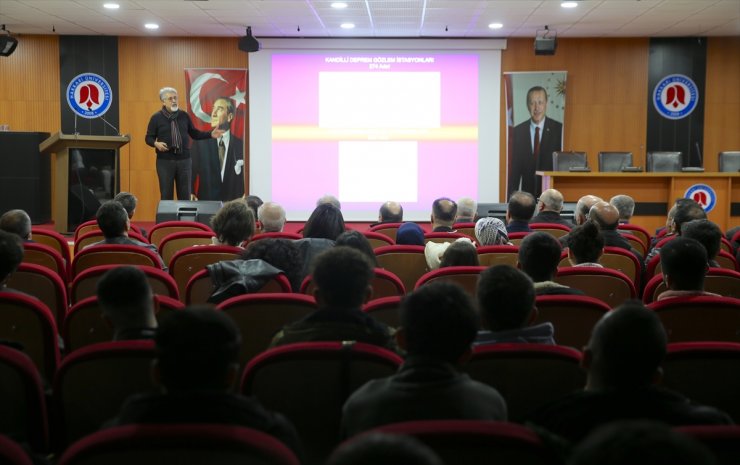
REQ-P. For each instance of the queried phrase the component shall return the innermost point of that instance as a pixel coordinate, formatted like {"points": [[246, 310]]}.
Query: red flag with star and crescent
{"points": [[203, 86]]}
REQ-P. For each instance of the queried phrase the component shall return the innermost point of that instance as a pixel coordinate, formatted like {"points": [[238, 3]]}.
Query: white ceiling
{"points": [[375, 18]]}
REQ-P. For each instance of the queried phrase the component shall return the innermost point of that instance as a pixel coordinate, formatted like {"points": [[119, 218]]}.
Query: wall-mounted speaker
{"points": [[545, 45]]}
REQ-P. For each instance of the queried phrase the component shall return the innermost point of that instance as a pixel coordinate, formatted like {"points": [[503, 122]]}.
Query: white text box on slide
{"points": [[378, 171], [379, 100]]}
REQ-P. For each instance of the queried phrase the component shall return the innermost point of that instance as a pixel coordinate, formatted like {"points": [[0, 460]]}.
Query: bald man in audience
{"points": [[519, 212], [271, 216], [17, 222], [444, 211], [467, 210], [606, 217], [549, 207], [390, 212]]}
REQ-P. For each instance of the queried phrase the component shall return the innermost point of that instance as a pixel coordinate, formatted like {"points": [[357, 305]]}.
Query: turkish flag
{"points": [[205, 85]]}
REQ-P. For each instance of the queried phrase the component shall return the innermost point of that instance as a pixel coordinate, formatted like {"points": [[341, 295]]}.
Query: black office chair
{"points": [[564, 161], [729, 162], [614, 161], [664, 162]]}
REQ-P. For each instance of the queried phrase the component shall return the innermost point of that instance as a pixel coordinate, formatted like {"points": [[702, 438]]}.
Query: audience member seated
{"points": [[129, 202], [342, 277], [410, 234], [271, 217], [357, 240], [17, 222], [254, 203], [585, 245], [623, 359], [606, 217], [11, 256], [685, 210], [460, 253], [467, 210], [390, 212], [434, 251], [685, 265], [444, 211], [506, 301], [549, 207], [385, 449], [640, 442], [438, 326], [233, 223], [519, 212], [708, 234], [127, 303], [583, 208], [196, 366], [331, 200], [625, 205], [325, 222], [539, 256], [283, 254], [491, 231], [114, 224], [666, 230]]}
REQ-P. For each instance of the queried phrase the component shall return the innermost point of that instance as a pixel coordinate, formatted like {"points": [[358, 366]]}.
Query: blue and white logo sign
{"points": [[675, 96], [703, 195], [89, 95]]}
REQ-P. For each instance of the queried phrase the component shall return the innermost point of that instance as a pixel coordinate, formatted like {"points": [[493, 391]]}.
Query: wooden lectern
{"points": [[60, 144]]}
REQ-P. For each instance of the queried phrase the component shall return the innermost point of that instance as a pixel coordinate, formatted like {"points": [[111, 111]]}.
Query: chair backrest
{"points": [[40, 254], [377, 239], [617, 258], [466, 442], [490, 255], [11, 453], [554, 229], [28, 321], [200, 287], [614, 161], [729, 162], [196, 444], [284, 378], [384, 284], [44, 284], [54, 240], [726, 261], [171, 243], [528, 376], [386, 310], [261, 316], [85, 283], [22, 400], [389, 229], [605, 284], [722, 440], [516, 238], [465, 228], [108, 254], [442, 236], [186, 262], [663, 162], [699, 318], [636, 243], [92, 237], [705, 372], [405, 261], [636, 230], [466, 276], [93, 382], [573, 317], [717, 280], [653, 267], [563, 161], [276, 235], [86, 227], [165, 228]]}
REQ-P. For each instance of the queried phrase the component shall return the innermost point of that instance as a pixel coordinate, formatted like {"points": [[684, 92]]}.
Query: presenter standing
{"points": [[169, 132], [534, 141]]}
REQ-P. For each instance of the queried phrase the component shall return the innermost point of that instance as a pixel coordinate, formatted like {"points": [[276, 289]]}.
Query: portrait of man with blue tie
{"points": [[534, 142], [218, 165]]}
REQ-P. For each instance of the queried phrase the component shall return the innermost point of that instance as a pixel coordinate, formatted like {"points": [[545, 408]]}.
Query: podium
{"points": [[62, 145]]}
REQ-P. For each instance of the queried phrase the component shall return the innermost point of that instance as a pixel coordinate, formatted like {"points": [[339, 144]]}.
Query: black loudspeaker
{"points": [[545, 45], [82, 205], [187, 210]]}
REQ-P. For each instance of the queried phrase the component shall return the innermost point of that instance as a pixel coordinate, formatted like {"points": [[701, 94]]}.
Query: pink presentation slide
{"points": [[372, 127]]}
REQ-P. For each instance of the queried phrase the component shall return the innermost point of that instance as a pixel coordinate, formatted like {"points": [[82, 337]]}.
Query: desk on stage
{"points": [[654, 193]]}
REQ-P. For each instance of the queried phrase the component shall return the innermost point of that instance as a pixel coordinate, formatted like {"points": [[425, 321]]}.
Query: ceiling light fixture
{"points": [[495, 26], [151, 26], [111, 6], [347, 25], [569, 4], [339, 5]]}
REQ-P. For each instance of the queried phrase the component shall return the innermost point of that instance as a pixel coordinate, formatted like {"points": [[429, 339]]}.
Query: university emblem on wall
{"points": [[675, 96], [89, 95]]}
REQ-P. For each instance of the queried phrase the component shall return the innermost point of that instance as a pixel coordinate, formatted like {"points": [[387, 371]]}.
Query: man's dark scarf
{"points": [[174, 129]]}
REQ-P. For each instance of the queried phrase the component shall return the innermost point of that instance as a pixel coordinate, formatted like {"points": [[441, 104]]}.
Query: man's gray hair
{"points": [[328, 198], [166, 90], [552, 199], [624, 204], [272, 217], [467, 207]]}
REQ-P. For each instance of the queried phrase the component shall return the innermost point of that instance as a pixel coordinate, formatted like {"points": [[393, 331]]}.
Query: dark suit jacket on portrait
{"points": [[207, 184], [523, 164]]}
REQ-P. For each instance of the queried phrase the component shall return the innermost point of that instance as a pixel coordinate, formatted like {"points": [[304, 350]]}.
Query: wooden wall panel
{"points": [[145, 66], [606, 93], [29, 85], [722, 99]]}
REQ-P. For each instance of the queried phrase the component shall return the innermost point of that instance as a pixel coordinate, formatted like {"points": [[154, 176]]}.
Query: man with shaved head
{"points": [[390, 212], [549, 207], [444, 211], [606, 217]]}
